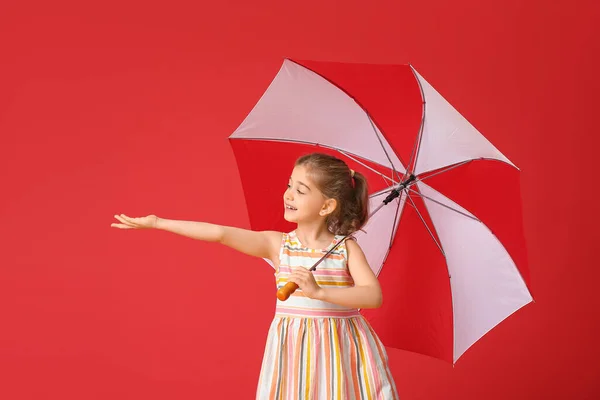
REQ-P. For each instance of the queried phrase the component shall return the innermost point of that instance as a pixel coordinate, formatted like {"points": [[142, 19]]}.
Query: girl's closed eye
{"points": [[297, 190]]}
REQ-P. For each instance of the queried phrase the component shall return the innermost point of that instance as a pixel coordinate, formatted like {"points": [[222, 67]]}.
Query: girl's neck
{"points": [[314, 235]]}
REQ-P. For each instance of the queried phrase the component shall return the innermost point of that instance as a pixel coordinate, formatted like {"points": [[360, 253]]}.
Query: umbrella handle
{"points": [[285, 292]]}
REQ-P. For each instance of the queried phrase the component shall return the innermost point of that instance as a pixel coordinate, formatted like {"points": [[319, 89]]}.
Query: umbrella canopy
{"points": [[449, 252]]}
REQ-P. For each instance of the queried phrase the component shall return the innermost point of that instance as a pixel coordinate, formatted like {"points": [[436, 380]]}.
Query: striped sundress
{"points": [[317, 350]]}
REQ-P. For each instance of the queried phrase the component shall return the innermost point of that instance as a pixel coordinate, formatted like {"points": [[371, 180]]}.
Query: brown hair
{"points": [[336, 180]]}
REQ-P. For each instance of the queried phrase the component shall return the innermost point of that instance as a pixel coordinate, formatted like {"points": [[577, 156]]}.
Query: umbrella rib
{"points": [[267, 139], [444, 205], [394, 172], [394, 224], [425, 223], [445, 170], [420, 179], [449, 167], [394, 230], [366, 166], [414, 152], [382, 191]]}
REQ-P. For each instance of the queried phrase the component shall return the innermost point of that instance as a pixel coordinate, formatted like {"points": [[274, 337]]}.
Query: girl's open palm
{"points": [[148, 222]]}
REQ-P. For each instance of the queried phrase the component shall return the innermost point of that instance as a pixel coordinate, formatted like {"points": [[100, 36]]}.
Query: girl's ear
{"points": [[329, 206]]}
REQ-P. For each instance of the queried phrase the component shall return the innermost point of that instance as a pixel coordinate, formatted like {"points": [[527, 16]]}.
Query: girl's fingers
{"points": [[125, 224], [129, 219], [298, 273], [125, 219], [300, 270], [121, 226]]}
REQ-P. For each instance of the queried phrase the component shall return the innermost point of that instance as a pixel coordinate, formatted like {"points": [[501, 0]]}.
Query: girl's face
{"points": [[302, 201]]}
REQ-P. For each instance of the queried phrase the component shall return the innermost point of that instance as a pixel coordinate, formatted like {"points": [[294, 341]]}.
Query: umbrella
{"points": [[447, 245]]}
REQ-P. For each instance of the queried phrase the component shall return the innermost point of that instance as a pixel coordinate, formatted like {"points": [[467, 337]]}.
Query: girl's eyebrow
{"points": [[301, 183]]}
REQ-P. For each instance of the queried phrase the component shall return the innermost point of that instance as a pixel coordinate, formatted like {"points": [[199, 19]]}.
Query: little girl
{"points": [[319, 346]]}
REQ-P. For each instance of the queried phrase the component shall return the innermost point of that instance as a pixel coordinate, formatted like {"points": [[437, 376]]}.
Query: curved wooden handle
{"points": [[285, 292]]}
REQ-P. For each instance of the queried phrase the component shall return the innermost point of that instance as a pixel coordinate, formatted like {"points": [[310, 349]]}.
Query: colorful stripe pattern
{"points": [[317, 350]]}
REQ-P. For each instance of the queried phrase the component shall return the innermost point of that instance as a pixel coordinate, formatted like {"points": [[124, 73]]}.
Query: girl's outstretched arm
{"points": [[263, 244]]}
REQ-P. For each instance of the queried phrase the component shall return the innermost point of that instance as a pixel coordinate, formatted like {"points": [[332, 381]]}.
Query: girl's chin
{"points": [[289, 218], [290, 215]]}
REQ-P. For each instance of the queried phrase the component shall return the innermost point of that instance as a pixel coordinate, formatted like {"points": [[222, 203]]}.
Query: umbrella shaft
{"points": [[395, 193]]}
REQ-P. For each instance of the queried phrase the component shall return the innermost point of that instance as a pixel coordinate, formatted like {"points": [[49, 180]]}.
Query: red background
{"points": [[125, 107]]}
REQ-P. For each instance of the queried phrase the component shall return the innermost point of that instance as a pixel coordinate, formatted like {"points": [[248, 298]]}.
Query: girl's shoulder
{"points": [[349, 238], [351, 245]]}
